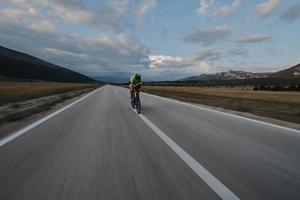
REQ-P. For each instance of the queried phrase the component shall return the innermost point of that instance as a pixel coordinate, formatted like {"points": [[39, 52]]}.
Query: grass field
{"points": [[278, 105], [11, 92]]}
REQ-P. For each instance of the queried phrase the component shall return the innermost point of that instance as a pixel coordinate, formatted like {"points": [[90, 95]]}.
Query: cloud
{"points": [[227, 9], [29, 3], [106, 54], [204, 5], [163, 66], [37, 27], [238, 52], [12, 13], [43, 25], [33, 31], [202, 62], [70, 13], [61, 53], [208, 36], [18, 14], [291, 14], [208, 54], [143, 8], [116, 15], [65, 10], [264, 9], [32, 11], [156, 60], [254, 38], [111, 15], [76, 17]]}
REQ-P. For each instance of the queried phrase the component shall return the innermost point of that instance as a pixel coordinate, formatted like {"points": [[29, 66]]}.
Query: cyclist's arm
{"points": [[140, 83]]}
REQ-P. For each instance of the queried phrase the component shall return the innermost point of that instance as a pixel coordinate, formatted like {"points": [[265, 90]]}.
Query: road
{"points": [[99, 148]]}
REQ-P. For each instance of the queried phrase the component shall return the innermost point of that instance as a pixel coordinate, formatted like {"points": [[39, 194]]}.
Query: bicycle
{"points": [[135, 101]]}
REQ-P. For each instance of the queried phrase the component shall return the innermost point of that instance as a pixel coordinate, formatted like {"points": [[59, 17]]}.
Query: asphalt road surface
{"points": [[99, 148]]}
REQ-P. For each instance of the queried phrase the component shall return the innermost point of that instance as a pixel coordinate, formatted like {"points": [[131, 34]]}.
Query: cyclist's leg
{"points": [[131, 90]]}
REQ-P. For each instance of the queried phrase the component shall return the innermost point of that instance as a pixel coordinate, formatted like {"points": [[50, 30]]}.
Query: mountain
{"points": [[229, 75], [20, 66], [290, 73]]}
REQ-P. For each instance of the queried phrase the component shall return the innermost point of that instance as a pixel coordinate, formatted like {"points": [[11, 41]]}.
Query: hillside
{"points": [[290, 73], [285, 78], [230, 75], [19, 66]]}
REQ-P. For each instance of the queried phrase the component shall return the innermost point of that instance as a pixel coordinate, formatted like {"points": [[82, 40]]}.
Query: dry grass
{"points": [[18, 111], [278, 105], [237, 92], [21, 91]]}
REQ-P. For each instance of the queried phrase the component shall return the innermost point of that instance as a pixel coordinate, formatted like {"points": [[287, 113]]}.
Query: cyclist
{"points": [[135, 82]]}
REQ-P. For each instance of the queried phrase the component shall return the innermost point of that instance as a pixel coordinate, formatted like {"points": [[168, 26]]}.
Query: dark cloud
{"points": [[291, 14], [208, 36]]}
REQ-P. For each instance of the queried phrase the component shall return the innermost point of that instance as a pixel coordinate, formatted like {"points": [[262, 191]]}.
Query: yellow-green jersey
{"points": [[133, 80]]}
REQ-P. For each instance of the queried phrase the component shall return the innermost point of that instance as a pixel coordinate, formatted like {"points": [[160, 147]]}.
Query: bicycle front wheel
{"points": [[138, 107], [138, 104]]}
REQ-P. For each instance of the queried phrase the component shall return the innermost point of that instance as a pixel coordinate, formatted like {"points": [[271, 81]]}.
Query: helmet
{"points": [[138, 76]]}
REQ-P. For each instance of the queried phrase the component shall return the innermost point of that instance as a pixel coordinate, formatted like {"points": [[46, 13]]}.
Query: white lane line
{"points": [[223, 113], [38, 122], [205, 175]]}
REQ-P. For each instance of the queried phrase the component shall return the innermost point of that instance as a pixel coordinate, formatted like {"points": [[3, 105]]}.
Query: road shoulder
{"points": [[9, 127]]}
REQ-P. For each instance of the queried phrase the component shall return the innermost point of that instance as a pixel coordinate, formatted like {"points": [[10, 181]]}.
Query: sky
{"points": [[161, 39]]}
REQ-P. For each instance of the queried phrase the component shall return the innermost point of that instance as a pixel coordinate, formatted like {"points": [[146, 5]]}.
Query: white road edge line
{"points": [[223, 113], [40, 121], [205, 175]]}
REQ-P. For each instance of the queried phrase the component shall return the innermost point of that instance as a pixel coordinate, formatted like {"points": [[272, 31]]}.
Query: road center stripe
{"points": [[205, 175]]}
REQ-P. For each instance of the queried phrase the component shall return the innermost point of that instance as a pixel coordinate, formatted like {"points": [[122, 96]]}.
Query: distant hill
{"points": [[230, 75], [284, 78], [290, 73], [20, 66]]}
